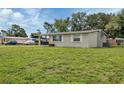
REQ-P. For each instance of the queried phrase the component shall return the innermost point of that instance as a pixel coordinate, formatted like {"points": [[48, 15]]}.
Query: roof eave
{"points": [[78, 32]]}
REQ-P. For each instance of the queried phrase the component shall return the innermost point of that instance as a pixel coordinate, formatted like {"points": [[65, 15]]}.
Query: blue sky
{"points": [[33, 18]]}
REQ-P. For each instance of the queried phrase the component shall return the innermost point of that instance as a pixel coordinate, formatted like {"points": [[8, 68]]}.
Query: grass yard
{"points": [[33, 64]]}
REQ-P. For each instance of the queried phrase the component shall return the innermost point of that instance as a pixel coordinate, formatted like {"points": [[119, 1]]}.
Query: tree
{"points": [[34, 35], [62, 25], [99, 20], [3, 32], [49, 27], [112, 24], [78, 21], [16, 31], [92, 21], [9, 32], [115, 28], [121, 16]]}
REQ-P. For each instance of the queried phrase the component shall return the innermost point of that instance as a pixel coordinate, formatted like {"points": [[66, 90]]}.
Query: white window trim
{"points": [[72, 36]]}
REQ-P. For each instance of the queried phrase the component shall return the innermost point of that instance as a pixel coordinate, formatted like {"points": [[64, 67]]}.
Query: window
{"points": [[76, 37], [57, 38]]}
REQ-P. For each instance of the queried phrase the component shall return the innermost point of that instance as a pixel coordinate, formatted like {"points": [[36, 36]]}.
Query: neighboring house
{"points": [[116, 41], [112, 41], [20, 40], [4, 38], [92, 38], [120, 41]]}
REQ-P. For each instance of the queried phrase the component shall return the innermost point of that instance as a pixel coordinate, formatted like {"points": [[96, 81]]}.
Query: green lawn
{"points": [[33, 64]]}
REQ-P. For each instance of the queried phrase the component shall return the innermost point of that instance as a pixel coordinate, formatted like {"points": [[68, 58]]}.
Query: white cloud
{"points": [[27, 18], [18, 15], [8, 15], [6, 12]]}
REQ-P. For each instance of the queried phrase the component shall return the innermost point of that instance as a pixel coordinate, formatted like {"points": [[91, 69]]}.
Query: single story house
{"points": [[116, 41], [120, 41], [112, 41], [92, 38], [20, 40]]}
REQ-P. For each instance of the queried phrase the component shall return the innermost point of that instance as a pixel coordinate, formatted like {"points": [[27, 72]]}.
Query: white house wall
{"points": [[92, 39], [87, 40]]}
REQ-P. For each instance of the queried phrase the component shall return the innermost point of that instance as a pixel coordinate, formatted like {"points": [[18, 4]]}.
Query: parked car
{"points": [[29, 42], [13, 42]]}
